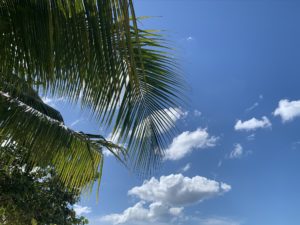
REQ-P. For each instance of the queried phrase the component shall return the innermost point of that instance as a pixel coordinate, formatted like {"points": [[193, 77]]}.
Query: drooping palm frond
{"points": [[76, 156], [92, 52]]}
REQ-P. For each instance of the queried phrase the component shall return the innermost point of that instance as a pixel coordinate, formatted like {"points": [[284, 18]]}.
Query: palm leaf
{"points": [[24, 93], [93, 53], [51, 143]]}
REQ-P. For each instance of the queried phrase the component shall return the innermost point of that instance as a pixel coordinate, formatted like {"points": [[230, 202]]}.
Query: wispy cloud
{"points": [[217, 221], [237, 152], [251, 137], [255, 105], [186, 168], [75, 122], [197, 113], [295, 145], [220, 163]]}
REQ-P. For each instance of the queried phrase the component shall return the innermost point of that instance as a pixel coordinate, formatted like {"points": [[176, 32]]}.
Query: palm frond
{"points": [[77, 157], [93, 53], [154, 88], [26, 94]]}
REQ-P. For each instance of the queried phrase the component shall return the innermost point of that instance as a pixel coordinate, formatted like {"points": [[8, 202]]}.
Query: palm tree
{"points": [[92, 53]]}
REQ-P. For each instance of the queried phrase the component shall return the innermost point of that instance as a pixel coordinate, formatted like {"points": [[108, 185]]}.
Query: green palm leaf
{"points": [[50, 142], [90, 52]]}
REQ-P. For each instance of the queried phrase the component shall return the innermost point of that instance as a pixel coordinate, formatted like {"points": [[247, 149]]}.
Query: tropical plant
{"points": [[33, 195], [92, 53]]}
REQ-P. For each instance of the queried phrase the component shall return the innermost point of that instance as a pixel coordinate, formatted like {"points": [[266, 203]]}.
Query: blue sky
{"points": [[236, 158]]}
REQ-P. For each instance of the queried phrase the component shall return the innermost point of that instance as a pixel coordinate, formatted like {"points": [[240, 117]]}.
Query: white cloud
{"points": [[287, 110], [186, 167], [187, 141], [197, 113], [177, 190], [217, 221], [141, 214], [190, 38], [255, 105], [237, 152], [144, 219], [82, 209], [220, 163], [251, 137], [75, 122], [253, 124], [161, 202]]}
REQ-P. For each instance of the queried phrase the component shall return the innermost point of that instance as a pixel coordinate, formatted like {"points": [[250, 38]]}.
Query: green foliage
{"points": [[50, 141], [90, 53], [33, 195]]}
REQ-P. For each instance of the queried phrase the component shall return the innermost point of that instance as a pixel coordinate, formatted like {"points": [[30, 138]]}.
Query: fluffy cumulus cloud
{"points": [[140, 213], [82, 209], [177, 190], [144, 218], [162, 201], [187, 141], [237, 152], [287, 110], [253, 124]]}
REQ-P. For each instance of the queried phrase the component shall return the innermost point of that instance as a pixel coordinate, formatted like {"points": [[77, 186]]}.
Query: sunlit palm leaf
{"points": [[77, 157], [92, 52]]}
